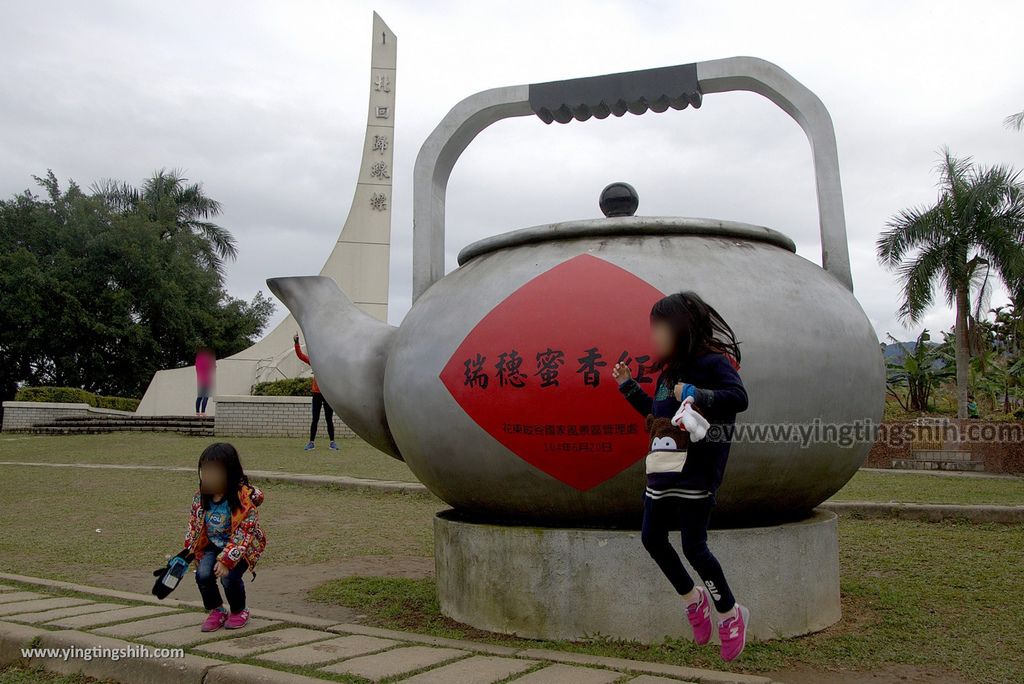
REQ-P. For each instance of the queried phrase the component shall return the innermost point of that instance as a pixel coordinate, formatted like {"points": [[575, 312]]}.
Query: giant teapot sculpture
{"points": [[496, 389]]}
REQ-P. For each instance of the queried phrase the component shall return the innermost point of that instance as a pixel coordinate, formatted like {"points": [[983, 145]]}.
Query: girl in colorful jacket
{"points": [[225, 535]]}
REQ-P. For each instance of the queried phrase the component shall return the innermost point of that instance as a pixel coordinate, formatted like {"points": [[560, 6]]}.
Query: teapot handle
{"points": [[656, 89]]}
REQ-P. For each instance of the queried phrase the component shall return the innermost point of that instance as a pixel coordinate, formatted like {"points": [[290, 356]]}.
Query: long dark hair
{"points": [[697, 329], [227, 456]]}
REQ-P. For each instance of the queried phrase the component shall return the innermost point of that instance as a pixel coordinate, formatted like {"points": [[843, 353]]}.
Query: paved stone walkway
{"points": [[281, 649]]}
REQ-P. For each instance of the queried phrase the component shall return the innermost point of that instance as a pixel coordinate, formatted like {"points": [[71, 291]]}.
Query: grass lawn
{"points": [[356, 458], [927, 488], [944, 596], [66, 523], [24, 675], [947, 595]]}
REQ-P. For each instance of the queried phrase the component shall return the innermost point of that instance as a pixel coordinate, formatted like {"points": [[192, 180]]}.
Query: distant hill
{"points": [[894, 352]]}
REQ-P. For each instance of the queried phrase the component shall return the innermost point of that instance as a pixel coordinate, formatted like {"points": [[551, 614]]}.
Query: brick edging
{"points": [[978, 513]]}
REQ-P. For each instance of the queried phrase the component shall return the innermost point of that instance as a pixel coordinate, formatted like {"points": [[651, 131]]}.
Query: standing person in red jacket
{"points": [[206, 372], [318, 403]]}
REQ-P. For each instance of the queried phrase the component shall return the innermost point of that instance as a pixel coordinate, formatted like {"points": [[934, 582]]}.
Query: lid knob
{"points": [[619, 199]]}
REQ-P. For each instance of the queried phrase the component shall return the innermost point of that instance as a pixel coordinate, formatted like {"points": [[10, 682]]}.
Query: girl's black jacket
{"points": [[720, 396]]}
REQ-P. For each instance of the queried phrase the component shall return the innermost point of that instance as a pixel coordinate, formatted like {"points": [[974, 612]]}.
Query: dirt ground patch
{"points": [[284, 588]]}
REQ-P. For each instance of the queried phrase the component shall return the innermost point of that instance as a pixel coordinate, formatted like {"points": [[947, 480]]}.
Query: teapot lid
{"points": [[626, 226], [618, 202]]}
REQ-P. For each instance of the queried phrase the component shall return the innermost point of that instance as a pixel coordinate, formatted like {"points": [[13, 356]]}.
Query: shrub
{"points": [[74, 395], [289, 387], [117, 403]]}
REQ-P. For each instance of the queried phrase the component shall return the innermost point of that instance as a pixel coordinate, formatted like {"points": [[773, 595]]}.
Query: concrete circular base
{"points": [[575, 583]]}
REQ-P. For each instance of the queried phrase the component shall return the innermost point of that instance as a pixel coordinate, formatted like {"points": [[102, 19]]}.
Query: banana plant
{"points": [[919, 371]]}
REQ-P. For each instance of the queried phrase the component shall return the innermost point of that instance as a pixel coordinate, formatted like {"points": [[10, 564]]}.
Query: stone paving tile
{"points": [[154, 670], [476, 670], [37, 605], [11, 597], [651, 679], [394, 662], [570, 674], [55, 613], [459, 644], [107, 616], [684, 673], [265, 641], [326, 651], [250, 674], [13, 638], [163, 623], [191, 635]]}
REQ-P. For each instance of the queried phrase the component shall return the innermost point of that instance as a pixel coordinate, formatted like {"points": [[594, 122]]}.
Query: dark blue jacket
{"points": [[720, 396]]}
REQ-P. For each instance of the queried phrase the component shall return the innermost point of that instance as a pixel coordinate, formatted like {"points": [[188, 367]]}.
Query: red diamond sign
{"points": [[535, 373]]}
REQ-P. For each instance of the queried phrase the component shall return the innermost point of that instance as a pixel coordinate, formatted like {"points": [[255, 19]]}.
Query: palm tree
{"points": [[971, 235], [170, 200], [1015, 121]]}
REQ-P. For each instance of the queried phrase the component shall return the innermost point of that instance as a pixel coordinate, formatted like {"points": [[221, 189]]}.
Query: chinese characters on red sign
{"points": [[535, 373]]}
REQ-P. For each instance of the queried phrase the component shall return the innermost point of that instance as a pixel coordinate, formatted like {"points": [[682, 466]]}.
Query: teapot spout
{"points": [[348, 350]]}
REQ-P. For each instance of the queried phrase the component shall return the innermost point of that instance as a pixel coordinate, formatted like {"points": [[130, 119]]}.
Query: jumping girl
{"points": [[224, 534], [698, 357]]}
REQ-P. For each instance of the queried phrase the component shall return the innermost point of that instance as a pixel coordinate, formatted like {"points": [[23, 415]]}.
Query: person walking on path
{"points": [[206, 372], [318, 403]]}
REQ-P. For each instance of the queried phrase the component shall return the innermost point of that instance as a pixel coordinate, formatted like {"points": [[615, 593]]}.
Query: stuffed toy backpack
{"points": [[168, 577], [670, 438]]}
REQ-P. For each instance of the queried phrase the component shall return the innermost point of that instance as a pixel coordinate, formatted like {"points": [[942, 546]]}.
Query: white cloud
{"points": [[265, 103]]}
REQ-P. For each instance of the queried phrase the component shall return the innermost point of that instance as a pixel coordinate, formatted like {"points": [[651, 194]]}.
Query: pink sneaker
{"points": [[699, 614], [215, 620], [733, 633], [238, 620]]}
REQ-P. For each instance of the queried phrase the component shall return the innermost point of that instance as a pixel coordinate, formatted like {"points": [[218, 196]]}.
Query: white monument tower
{"points": [[359, 261]]}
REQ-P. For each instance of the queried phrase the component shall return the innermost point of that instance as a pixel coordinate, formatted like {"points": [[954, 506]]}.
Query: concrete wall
{"points": [[995, 443], [172, 392], [22, 415], [247, 416], [576, 583]]}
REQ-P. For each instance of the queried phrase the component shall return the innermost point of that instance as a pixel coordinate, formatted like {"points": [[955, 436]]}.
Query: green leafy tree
{"points": [[168, 200], [99, 298], [1008, 342], [970, 236]]}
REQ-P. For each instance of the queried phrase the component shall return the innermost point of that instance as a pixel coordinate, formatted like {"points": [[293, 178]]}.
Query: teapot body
{"points": [[498, 386]]}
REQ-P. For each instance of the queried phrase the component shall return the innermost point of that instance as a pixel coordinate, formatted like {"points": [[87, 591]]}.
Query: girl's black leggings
{"points": [[690, 516], [318, 403]]}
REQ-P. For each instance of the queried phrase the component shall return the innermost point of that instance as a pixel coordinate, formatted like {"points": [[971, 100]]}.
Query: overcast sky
{"points": [[265, 103]]}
